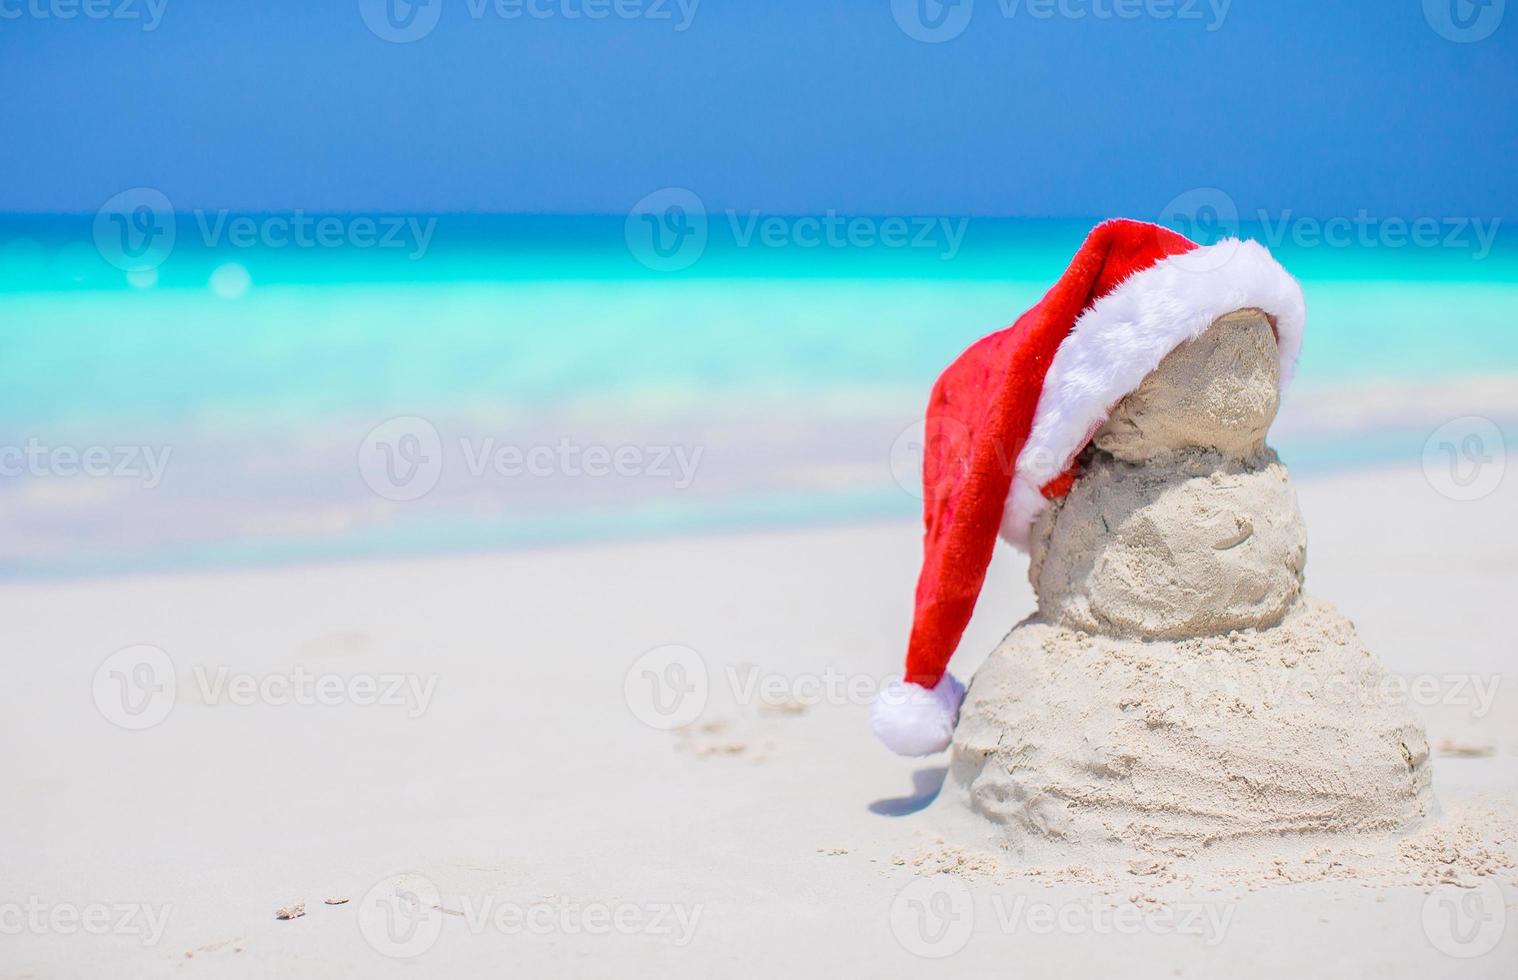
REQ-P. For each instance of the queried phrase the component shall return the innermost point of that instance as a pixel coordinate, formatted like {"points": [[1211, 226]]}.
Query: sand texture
{"points": [[1193, 543], [1219, 391], [1074, 746]]}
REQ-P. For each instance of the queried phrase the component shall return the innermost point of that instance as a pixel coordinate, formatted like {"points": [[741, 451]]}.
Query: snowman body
{"points": [[1176, 690]]}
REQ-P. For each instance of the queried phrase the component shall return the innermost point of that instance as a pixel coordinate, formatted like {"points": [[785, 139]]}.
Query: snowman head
{"points": [[1219, 390]]}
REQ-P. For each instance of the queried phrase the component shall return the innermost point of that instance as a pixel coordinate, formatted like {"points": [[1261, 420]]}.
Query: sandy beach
{"points": [[329, 728]]}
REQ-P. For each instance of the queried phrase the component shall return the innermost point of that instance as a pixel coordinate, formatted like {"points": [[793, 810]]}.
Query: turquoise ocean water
{"points": [[786, 364]]}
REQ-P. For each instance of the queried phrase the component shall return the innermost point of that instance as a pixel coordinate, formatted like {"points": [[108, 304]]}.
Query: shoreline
{"points": [[261, 504]]}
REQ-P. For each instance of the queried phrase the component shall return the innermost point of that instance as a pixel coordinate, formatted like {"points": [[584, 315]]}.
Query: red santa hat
{"points": [[1008, 418]]}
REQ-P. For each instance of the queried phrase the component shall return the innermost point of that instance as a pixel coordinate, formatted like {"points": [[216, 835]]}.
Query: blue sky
{"points": [[1034, 107]]}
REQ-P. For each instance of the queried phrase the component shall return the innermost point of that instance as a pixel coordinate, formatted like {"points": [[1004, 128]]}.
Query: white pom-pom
{"points": [[914, 720]]}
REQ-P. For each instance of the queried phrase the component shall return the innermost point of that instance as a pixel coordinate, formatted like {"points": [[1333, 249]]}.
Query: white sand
{"points": [[529, 783]]}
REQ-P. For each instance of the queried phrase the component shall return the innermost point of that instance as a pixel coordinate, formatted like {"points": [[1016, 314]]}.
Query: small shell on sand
{"points": [[292, 911], [336, 900]]}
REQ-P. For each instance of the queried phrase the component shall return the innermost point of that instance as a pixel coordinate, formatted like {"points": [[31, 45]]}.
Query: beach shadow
{"points": [[925, 786]]}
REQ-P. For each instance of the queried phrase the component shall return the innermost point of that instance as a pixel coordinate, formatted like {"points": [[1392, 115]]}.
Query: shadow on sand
{"points": [[925, 786]]}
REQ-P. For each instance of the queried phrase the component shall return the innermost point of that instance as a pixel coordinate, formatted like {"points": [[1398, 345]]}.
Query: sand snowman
{"points": [[1176, 692]]}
